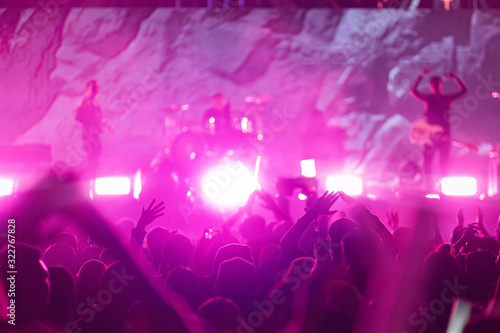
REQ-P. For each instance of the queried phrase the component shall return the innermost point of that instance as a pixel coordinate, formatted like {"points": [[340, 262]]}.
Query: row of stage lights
{"points": [[123, 185], [230, 184], [353, 185]]}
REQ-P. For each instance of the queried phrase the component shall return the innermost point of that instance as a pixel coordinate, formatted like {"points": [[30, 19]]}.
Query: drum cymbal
{"points": [[258, 99]]}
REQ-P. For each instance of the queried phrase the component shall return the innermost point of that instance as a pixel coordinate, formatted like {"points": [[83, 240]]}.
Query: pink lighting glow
{"points": [[459, 186], [112, 186], [350, 185], [6, 186], [433, 196], [229, 185], [137, 184], [308, 168], [244, 124], [256, 171]]}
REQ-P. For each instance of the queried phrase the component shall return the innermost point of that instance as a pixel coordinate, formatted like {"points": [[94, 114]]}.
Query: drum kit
{"points": [[191, 148], [187, 139]]}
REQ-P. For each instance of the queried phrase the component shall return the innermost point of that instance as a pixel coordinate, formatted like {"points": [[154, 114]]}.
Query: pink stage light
{"points": [[244, 124], [6, 186], [350, 185], [256, 172], [228, 185], [137, 184], [112, 186], [302, 197], [433, 196], [459, 186], [308, 168]]}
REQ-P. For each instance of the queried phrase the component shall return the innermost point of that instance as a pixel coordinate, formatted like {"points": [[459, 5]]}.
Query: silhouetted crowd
{"points": [[329, 271]]}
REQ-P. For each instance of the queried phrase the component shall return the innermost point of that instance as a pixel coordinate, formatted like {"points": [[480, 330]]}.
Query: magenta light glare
{"points": [[244, 124], [433, 196], [6, 186], [256, 171], [112, 186], [459, 186], [308, 168], [137, 184], [350, 185], [228, 185]]}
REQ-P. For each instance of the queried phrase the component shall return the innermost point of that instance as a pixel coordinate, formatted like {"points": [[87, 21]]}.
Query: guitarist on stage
{"points": [[437, 113]]}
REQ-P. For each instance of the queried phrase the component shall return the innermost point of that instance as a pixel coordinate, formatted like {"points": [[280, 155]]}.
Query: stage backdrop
{"points": [[356, 66]]}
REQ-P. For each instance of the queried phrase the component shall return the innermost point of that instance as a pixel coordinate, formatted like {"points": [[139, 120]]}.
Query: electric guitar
{"points": [[423, 133]]}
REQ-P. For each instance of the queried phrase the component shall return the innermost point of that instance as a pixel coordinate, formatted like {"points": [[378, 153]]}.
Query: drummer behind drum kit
{"points": [[186, 139]]}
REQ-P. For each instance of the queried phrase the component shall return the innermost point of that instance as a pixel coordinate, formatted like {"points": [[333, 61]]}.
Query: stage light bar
{"points": [[6, 186], [308, 168], [137, 184], [112, 186], [433, 196], [229, 185], [350, 185], [256, 172], [459, 186]]}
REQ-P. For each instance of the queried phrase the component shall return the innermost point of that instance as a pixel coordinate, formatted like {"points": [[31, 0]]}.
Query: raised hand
{"points": [[150, 214], [480, 219], [348, 200], [460, 217], [323, 204]]}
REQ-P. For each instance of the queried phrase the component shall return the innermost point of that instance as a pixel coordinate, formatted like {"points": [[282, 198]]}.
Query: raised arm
{"points": [[290, 242], [367, 219], [147, 217], [480, 223], [460, 84], [414, 87]]}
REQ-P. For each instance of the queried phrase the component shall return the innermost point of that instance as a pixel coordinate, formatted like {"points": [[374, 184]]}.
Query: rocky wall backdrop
{"points": [[356, 66]]}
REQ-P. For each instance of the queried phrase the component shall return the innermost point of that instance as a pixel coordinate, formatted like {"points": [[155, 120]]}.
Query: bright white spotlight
{"points": [[433, 196], [244, 124], [350, 185], [308, 168], [256, 172], [6, 186], [137, 184], [302, 197], [112, 186], [228, 185], [459, 186]]}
